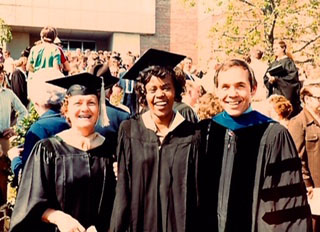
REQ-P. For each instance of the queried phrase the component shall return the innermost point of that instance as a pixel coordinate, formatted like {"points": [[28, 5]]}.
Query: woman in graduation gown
{"points": [[285, 80], [157, 160], [68, 183]]}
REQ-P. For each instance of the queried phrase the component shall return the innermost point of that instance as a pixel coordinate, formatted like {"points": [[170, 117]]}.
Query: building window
{"points": [[89, 45], [72, 45]]}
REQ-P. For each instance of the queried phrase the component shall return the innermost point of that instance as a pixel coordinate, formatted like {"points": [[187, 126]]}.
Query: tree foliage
{"points": [[23, 126], [247, 23], [5, 33]]}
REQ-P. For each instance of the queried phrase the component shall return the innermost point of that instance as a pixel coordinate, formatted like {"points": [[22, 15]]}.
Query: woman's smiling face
{"points": [[83, 111], [160, 97]]}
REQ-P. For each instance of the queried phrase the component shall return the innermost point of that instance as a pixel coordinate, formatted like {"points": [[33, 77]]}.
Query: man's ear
{"points": [[253, 90]]}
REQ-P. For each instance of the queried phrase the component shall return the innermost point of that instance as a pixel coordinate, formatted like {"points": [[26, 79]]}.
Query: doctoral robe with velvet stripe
{"points": [[250, 180]]}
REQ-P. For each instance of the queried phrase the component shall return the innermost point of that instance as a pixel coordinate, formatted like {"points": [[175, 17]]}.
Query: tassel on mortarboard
{"points": [[103, 117]]}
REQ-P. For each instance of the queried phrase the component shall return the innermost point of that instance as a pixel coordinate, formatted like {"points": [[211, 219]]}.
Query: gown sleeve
{"points": [[283, 202], [120, 218], [35, 191]]}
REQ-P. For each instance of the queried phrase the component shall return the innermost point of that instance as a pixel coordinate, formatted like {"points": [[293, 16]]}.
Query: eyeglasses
{"points": [[316, 97]]}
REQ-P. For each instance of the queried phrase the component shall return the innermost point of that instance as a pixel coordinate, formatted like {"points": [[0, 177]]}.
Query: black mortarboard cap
{"points": [[83, 83], [86, 84], [153, 57]]}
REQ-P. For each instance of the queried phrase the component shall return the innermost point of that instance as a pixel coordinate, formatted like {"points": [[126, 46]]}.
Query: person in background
{"points": [[285, 81], [114, 113], [157, 155], [249, 170], [305, 131], [184, 109], [114, 65], [208, 106], [115, 96], [8, 102], [280, 109], [8, 64], [187, 68], [1, 56], [45, 54], [47, 100], [129, 96], [83, 64], [19, 80], [192, 94], [68, 183], [259, 68], [65, 65]]}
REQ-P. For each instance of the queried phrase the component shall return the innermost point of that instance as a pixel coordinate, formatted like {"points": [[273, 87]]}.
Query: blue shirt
{"points": [[49, 124]]}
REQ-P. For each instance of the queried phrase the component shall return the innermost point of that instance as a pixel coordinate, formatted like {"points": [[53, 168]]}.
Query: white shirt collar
{"points": [[149, 123]]}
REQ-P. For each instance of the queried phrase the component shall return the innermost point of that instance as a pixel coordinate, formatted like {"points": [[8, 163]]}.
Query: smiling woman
{"points": [[157, 155], [68, 183], [82, 112]]}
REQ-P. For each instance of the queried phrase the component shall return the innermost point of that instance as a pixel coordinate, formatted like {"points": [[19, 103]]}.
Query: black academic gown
{"points": [[186, 111], [156, 189], [250, 180], [286, 83], [19, 86], [62, 177]]}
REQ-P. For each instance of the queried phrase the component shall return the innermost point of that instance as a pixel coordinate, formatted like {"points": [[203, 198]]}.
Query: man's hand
{"points": [[310, 192], [14, 152]]}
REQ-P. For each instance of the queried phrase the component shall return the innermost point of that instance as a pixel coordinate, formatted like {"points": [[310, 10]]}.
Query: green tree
{"points": [[247, 23], [5, 33]]}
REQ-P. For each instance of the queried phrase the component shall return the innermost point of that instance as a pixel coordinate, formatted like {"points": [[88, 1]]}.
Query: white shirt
{"points": [[150, 124], [9, 100], [24, 73], [8, 65]]}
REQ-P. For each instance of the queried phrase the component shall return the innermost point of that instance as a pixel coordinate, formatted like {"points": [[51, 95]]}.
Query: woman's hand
{"points": [[63, 221], [115, 169], [91, 229], [271, 79]]}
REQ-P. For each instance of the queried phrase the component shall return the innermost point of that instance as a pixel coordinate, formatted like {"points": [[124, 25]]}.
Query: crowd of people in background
{"points": [[281, 92]]}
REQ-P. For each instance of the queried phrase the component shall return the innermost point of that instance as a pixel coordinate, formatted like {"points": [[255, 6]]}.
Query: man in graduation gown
{"points": [[250, 173]]}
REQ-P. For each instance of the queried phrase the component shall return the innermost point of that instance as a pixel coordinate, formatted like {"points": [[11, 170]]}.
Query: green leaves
{"points": [[23, 126], [243, 24], [5, 32], [239, 25]]}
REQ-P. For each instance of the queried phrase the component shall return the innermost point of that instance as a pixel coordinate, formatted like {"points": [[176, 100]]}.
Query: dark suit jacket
{"points": [[116, 116]]}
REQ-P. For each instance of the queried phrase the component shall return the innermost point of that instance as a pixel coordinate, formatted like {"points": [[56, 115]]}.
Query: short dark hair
{"points": [[236, 63], [160, 72], [48, 34]]}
